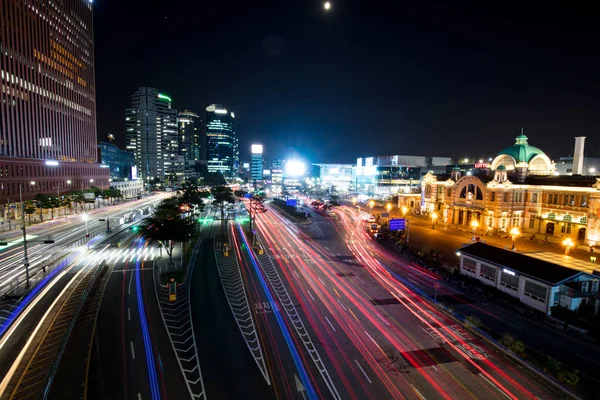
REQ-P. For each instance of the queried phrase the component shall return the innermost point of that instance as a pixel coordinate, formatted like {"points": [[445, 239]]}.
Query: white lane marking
{"points": [[322, 281], [342, 305], [362, 370], [381, 318], [129, 314], [130, 280], [417, 392], [497, 388], [329, 322], [132, 352], [139, 396], [29, 308], [587, 359], [295, 273], [311, 296]]}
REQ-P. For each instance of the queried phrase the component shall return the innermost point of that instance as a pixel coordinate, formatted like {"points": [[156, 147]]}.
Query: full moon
{"points": [[327, 5]]}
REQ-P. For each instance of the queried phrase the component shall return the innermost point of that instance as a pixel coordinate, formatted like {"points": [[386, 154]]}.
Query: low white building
{"points": [[129, 189], [537, 283]]}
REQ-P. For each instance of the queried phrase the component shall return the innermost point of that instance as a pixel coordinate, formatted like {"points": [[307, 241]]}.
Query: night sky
{"points": [[366, 78]]}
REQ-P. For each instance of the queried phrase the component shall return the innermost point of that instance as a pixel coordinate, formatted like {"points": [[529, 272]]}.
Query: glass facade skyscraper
{"points": [[222, 153], [120, 163], [190, 135], [151, 133]]}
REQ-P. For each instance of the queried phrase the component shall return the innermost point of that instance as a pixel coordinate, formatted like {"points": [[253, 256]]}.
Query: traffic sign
{"points": [[397, 224], [172, 297], [291, 202], [385, 215]]}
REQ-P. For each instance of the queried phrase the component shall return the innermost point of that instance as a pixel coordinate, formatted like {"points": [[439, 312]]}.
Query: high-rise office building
{"points": [[151, 133], [256, 163], [190, 140], [47, 107], [222, 154]]}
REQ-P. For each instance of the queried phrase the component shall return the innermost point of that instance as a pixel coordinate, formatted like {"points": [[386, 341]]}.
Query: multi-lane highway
{"points": [[374, 335], [65, 232], [135, 354], [315, 311]]}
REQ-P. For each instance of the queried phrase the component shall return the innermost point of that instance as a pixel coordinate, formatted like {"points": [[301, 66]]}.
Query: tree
{"points": [[53, 202], [42, 202], [29, 209], [66, 201], [222, 194], [167, 226], [77, 197], [214, 179], [191, 194]]}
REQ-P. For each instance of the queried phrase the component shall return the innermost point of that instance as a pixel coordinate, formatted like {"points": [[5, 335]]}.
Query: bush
{"points": [[473, 321], [516, 346], [568, 377]]}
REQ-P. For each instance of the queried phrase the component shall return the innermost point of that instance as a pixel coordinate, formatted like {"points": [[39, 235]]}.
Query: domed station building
{"points": [[518, 193]]}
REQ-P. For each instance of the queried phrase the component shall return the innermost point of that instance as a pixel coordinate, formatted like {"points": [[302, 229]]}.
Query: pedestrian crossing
{"points": [[126, 255]]}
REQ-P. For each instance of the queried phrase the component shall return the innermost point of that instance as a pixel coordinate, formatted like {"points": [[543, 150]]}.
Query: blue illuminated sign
{"points": [[397, 224]]}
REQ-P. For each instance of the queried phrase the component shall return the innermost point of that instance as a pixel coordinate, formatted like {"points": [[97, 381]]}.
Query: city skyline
{"points": [[436, 79]]}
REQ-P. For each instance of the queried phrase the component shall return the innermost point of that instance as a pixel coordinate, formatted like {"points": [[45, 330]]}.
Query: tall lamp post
{"points": [[406, 224], [434, 217], [568, 243], [514, 233], [25, 258], [388, 207], [474, 225]]}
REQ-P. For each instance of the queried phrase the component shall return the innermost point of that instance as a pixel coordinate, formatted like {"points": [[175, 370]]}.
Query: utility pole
{"points": [[25, 259], [8, 213]]}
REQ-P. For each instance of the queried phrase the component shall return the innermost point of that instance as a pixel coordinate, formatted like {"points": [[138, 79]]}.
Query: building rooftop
{"points": [[562, 180], [542, 270], [521, 151]]}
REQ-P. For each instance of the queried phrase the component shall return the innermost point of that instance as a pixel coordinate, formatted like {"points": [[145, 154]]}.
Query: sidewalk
{"points": [[59, 215]]}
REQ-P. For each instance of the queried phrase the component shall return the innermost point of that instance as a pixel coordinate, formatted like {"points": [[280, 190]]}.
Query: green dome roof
{"points": [[501, 168], [521, 151]]}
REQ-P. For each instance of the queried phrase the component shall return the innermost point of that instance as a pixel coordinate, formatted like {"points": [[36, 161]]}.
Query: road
{"points": [[571, 350], [65, 232], [136, 360], [377, 338]]}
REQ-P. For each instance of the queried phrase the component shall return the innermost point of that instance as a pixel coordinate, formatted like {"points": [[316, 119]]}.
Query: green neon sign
{"points": [[162, 96]]}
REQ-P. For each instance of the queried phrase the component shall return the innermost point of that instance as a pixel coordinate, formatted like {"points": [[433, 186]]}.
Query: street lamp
{"points": [[434, 216], [85, 218], [514, 232], [404, 210], [354, 201], [371, 204], [389, 207], [568, 243], [474, 225]]}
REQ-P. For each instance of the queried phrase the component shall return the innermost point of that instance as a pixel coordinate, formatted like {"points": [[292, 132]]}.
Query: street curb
{"points": [[513, 357], [502, 350]]}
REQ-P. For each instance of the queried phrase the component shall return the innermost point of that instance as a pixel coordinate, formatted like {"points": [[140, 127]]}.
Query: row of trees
{"points": [[174, 219], [67, 200]]}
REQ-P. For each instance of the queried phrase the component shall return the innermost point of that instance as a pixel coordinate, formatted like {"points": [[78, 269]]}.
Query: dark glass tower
{"points": [[222, 154]]}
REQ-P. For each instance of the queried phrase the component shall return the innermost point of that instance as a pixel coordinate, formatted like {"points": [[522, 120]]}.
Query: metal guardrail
{"points": [[61, 348]]}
